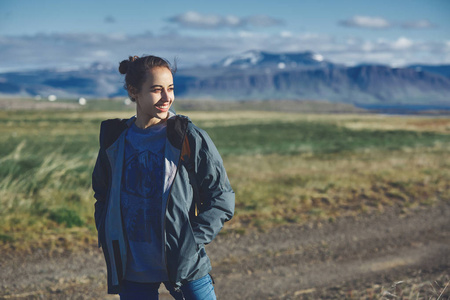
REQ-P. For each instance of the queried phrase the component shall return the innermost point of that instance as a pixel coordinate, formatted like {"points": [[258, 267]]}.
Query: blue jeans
{"points": [[200, 289]]}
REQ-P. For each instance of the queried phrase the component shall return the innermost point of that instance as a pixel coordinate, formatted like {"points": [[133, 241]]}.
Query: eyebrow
{"points": [[160, 86]]}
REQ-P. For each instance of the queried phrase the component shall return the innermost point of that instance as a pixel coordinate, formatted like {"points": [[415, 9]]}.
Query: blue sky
{"points": [[70, 34]]}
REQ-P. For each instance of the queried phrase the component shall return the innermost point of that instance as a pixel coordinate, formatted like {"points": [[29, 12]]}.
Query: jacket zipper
{"points": [[177, 289]]}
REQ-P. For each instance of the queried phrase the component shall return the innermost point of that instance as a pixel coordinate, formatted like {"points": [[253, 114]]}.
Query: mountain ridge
{"points": [[254, 75]]}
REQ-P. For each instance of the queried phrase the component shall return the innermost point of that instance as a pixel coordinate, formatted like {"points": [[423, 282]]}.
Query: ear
{"points": [[132, 91]]}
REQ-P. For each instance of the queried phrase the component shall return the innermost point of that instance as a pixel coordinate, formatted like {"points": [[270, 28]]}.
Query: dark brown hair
{"points": [[135, 70]]}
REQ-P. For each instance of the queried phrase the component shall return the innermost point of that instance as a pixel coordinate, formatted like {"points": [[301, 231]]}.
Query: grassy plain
{"points": [[284, 168]]}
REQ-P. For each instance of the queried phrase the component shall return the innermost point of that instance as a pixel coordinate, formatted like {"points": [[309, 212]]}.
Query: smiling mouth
{"points": [[163, 107]]}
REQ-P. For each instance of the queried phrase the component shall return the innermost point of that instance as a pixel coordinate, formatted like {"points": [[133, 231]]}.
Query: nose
{"points": [[165, 95]]}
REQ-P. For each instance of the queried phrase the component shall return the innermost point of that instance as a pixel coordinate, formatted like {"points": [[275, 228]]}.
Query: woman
{"points": [[162, 192]]}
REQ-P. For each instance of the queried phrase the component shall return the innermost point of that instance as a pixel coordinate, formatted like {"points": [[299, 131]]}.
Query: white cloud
{"points": [[402, 43], [262, 21], [366, 22], [76, 50], [101, 54], [367, 46], [381, 23], [192, 19], [232, 20], [196, 20], [285, 34], [247, 34], [419, 24]]}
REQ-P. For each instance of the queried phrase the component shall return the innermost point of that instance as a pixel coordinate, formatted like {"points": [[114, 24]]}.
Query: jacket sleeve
{"points": [[100, 181], [215, 192]]}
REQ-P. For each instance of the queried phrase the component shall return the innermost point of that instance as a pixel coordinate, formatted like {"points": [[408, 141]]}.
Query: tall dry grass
{"points": [[284, 168]]}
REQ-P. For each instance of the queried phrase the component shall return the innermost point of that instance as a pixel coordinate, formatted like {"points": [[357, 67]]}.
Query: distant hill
{"points": [[441, 70], [98, 80], [256, 75]]}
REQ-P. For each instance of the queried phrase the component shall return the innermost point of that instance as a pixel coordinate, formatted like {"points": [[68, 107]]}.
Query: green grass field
{"points": [[284, 168]]}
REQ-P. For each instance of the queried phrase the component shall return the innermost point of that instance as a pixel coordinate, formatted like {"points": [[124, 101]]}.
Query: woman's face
{"points": [[156, 95]]}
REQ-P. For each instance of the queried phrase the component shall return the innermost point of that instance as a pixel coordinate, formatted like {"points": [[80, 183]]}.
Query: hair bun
{"points": [[123, 67], [125, 64]]}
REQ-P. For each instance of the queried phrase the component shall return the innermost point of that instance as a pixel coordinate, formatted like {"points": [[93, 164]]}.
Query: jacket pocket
{"points": [[101, 228], [201, 250], [117, 259]]}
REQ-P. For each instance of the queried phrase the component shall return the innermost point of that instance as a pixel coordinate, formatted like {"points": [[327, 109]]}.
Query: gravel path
{"points": [[314, 261]]}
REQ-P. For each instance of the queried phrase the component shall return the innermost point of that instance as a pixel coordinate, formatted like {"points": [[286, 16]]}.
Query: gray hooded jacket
{"points": [[199, 201]]}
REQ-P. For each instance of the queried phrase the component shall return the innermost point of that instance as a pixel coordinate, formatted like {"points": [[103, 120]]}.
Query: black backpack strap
{"points": [[176, 130], [190, 167], [110, 130], [177, 133]]}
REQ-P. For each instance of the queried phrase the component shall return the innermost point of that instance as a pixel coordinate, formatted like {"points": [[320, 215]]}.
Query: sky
{"points": [[72, 34]]}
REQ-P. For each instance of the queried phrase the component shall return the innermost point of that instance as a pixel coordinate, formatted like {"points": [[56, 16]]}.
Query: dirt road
{"points": [[313, 261]]}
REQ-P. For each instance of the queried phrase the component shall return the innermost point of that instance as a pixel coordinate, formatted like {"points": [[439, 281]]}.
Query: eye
{"points": [[170, 89], [157, 90]]}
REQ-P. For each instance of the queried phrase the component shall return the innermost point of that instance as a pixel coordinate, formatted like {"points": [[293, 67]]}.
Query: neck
{"points": [[145, 122]]}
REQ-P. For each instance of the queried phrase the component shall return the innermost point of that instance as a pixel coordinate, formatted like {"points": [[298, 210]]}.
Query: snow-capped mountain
{"points": [[364, 84], [261, 59], [254, 75]]}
